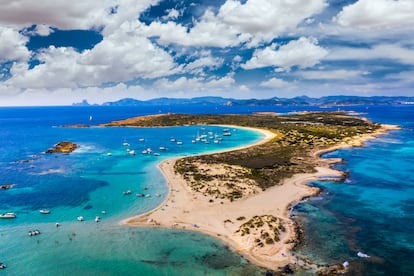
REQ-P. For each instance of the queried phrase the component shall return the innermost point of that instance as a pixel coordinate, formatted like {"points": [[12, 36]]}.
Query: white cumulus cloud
{"points": [[119, 57], [12, 45], [264, 20], [378, 14], [252, 22], [303, 53], [275, 83]]}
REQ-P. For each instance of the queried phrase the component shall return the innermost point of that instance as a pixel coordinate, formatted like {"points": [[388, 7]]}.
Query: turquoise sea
{"points": [[370, 212]]}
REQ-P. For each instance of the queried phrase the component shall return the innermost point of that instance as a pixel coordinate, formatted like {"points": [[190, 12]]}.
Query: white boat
{"points": [[44, 211], [132, 152], [179, 142], [362, 255], [227, 134], [141, 139], [172, 140], [109, 154], [97, 219], [2, 266], [33, 233], [128, 192], [156, 154], [8, 215], [125, 144], [162, 148], [80, 218], [144, 152]]}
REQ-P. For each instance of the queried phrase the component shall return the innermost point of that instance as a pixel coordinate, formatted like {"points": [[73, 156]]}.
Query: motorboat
{"points": [[97, 219], [362, 255], [34, 232], [128, 192], [80, 218], [2, 266], [8, 215], [44, 211]]}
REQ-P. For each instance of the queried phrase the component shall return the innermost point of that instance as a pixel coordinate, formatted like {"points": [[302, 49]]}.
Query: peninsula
{"points": [[244, 196]]}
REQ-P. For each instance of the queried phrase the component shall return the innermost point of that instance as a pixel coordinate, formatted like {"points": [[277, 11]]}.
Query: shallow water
{"points": [[89, 181]]}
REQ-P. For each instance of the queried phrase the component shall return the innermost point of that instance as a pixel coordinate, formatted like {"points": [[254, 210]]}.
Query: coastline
{"points": [[186, 209]]}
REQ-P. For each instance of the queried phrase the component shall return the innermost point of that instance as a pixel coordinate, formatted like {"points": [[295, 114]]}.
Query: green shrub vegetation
{"points": [[267, 226], [290, 152]]}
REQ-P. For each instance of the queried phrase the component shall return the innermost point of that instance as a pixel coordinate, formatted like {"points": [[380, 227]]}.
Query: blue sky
{"points": [[55, 52]]}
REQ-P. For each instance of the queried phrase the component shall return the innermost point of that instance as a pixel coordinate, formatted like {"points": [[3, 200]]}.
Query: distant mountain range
{"points": [[302, 100]]}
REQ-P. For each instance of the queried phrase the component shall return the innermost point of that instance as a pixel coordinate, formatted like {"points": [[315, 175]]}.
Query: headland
{"points": [[244, 196]]}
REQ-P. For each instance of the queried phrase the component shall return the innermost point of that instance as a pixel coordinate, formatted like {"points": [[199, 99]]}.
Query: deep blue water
{"points": [[370, 212]]}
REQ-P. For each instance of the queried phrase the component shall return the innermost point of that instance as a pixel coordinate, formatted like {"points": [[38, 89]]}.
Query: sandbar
{"points": [[185, 209]]}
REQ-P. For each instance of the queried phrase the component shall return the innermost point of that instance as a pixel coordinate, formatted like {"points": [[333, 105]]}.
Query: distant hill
{"points": [[302, 100]]}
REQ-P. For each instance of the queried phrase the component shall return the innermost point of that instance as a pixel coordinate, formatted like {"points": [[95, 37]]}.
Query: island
{"points": [[244, 196], [63, 147]]}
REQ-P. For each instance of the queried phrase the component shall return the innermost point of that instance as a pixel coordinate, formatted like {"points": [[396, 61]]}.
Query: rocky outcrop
{"points": [[63, 147], [6, 187]]}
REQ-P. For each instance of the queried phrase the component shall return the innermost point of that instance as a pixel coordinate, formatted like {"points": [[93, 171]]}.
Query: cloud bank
{"points": [[252, 48]]}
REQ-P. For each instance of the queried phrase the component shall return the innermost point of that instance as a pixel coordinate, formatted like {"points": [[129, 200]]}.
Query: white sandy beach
{"points": [[186, 209]]}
